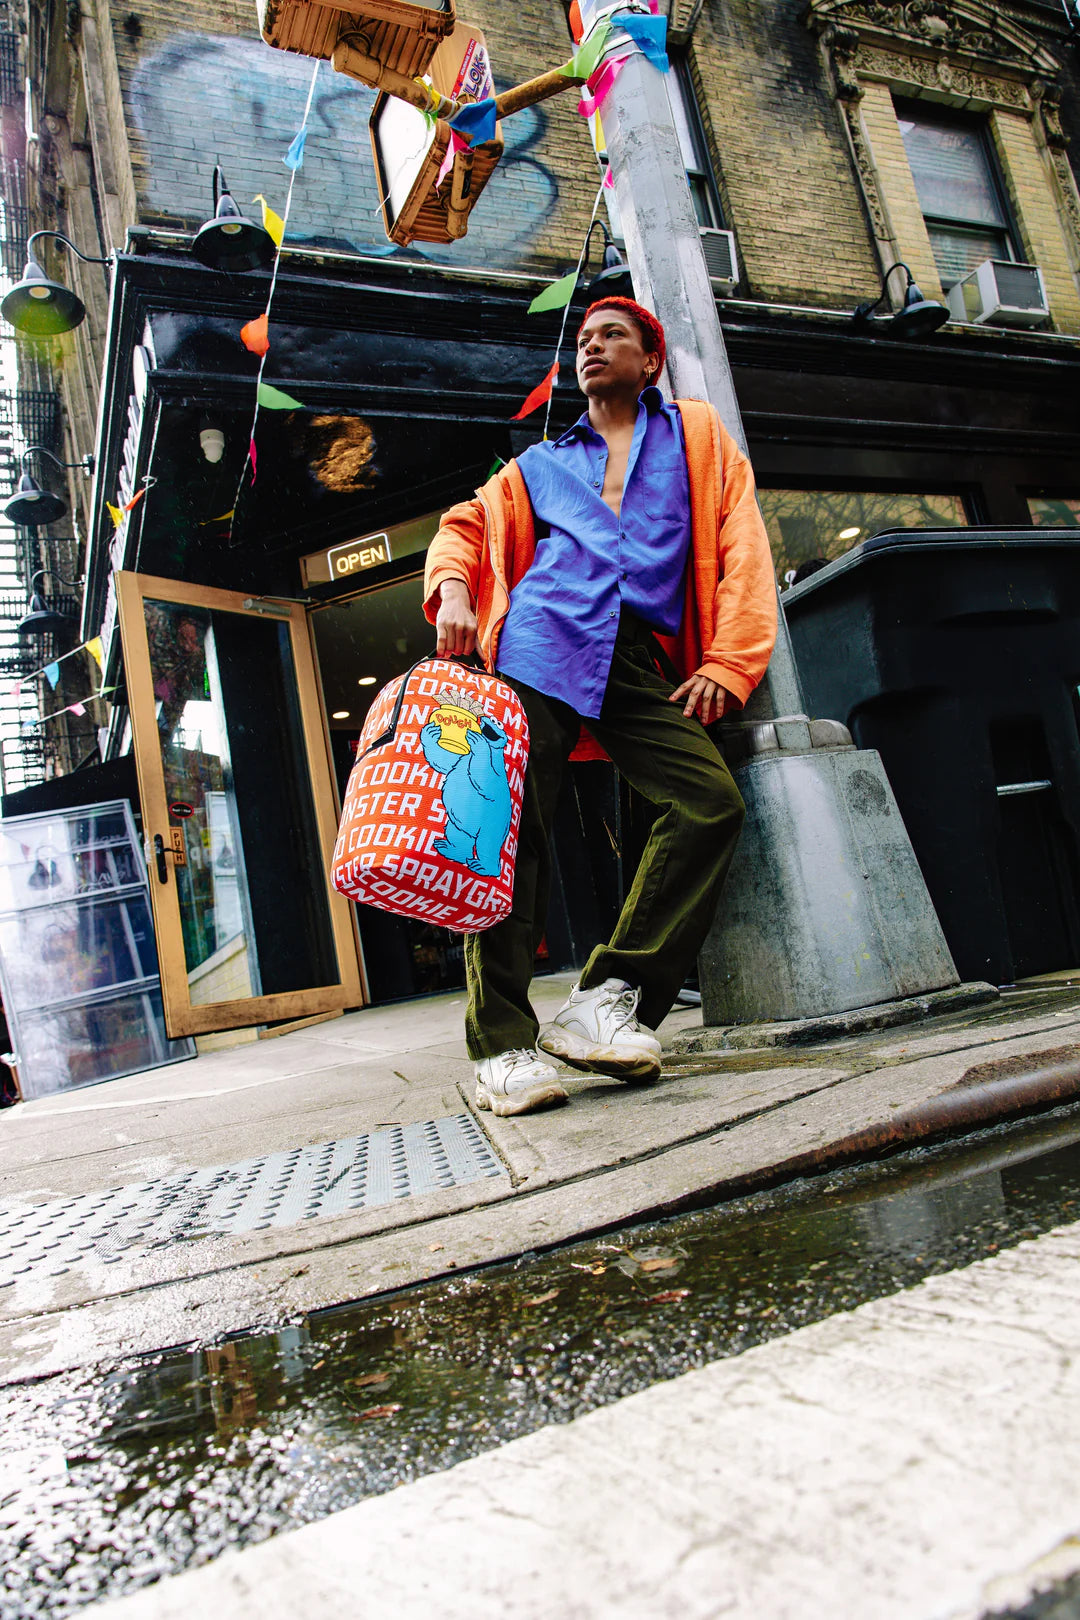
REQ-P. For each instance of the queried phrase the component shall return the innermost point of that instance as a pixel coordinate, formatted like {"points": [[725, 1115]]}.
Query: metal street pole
{"points": [[825, 908]]}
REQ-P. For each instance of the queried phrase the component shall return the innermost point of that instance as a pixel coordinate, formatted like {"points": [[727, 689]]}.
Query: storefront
{"points": [[248, 630]]}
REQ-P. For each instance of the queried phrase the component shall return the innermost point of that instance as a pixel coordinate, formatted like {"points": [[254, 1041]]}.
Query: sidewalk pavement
{"points": [[716, 1121]]}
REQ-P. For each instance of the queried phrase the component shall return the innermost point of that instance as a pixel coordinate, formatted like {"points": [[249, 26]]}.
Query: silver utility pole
{"points": [[825, 908]]}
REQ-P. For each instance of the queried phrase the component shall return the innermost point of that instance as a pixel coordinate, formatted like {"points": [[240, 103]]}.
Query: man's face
{"points": [[611, 356]]}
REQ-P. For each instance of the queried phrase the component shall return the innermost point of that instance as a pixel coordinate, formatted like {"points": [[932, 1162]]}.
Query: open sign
{"points": [[353, 558]]}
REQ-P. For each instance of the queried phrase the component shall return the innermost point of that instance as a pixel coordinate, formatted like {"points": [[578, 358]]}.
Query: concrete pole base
{"points": [[825, 907]]}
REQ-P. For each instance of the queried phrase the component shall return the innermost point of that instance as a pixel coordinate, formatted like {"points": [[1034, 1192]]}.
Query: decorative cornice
{"points": [[973, 35]]}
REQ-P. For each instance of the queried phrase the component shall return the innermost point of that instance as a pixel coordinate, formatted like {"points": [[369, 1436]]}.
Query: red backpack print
{"points": [[430, 821]]}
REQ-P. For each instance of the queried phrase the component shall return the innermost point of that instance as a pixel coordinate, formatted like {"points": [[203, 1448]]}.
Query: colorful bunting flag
{"points": [[96, 650], [649, 34], [586, 59], [599, 86], [539, 396], [608, 181], [476, 120], [556, 296], [222, 517], [77, 708], [16, 689], [129, 506], [294, 157], [495, 465], [254, 334], [275, 399], [253, 458], [115, 513], [52, 674], [273, 223], [458, 143]]}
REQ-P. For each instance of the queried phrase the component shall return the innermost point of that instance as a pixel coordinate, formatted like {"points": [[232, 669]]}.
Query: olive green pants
{"points": [[669, 760]]}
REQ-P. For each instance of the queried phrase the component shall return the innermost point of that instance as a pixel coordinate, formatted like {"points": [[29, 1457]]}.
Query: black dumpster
{"points": [[956, 654]]}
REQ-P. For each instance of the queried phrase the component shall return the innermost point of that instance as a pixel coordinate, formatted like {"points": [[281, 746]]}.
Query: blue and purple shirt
{"points": [[559, 633]]}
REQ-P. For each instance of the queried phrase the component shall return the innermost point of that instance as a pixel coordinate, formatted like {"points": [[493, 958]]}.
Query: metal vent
{"points": [[1019, 286], [720, 256]]}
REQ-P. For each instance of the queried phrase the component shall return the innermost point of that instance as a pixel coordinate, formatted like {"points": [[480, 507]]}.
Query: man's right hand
{"points": [[455, 622]]}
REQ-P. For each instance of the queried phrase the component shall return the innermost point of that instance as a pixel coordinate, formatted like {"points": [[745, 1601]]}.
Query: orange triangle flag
{"points": [[540, 394], [254, 335]]}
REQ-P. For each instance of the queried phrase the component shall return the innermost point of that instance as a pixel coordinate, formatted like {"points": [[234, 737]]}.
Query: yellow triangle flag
{"points": [[273, 223], [96, 650], [115, 513]]}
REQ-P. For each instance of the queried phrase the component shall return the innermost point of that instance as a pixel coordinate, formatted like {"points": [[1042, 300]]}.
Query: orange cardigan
{"points": [[729, 621]]}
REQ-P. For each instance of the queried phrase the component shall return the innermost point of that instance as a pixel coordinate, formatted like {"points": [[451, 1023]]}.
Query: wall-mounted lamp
{"points": [[31, 506], [229, 241], [211, 440], [918, 317], [41, 619], [40, 307], [613, 279]]}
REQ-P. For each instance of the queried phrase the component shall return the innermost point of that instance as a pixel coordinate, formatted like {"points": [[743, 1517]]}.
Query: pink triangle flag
{"points": [[600, 85]]}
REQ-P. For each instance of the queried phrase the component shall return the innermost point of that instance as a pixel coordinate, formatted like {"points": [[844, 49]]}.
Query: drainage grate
{"points": [[280, 1189]]}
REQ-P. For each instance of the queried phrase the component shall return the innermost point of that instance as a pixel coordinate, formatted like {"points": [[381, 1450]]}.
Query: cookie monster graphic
{"points": [[468, 748]]}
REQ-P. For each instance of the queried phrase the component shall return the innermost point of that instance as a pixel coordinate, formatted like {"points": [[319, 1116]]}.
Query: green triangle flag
{"points": [[583, 63], [557, 296], [275, 399]]}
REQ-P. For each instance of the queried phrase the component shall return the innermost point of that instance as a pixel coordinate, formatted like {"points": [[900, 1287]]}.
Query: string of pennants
{"points": [[51, 673], [474, 123]]}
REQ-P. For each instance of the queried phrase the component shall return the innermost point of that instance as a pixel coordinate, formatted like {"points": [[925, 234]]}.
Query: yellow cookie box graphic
{"points": [[457, 714]]}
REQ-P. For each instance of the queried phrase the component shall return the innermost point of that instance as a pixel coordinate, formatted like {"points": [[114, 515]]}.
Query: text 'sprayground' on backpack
{"points": [[430, 822]]}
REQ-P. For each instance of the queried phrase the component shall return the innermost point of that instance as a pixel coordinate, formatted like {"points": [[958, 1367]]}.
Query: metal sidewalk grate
{"points": [[279, 1189]]}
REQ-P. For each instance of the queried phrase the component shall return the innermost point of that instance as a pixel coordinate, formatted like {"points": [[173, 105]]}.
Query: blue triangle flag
{"points": [[52, 674], [476, 122], [649, 34], [295, 155]]}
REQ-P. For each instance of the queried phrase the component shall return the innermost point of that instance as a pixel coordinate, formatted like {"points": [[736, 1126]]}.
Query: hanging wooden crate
{"points": [[400, 35]]}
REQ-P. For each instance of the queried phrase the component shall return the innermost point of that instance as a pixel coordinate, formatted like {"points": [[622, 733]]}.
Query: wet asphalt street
{"points": [[120, 1475]]}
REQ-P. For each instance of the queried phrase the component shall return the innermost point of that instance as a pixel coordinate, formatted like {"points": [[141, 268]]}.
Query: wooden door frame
{"points": [[181, 1016]]}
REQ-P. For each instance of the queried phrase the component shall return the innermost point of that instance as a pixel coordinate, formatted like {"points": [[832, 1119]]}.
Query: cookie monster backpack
{"points": [[431, 815]]}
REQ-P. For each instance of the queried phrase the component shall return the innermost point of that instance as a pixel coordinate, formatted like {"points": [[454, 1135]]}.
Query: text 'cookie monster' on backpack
{"points": [[430, 822]]}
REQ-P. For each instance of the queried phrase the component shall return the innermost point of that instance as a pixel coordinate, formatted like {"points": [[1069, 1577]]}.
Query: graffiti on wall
{"points": [[205, 98]]}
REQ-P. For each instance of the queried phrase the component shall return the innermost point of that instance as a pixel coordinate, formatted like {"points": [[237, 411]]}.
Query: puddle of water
{"points": [[121, 1477]]}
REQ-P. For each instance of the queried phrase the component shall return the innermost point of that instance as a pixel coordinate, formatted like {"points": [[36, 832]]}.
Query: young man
{"points": [[639, 524]]}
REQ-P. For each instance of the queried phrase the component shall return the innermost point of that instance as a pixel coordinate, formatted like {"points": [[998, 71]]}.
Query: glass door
{"points": [[238, 807]]}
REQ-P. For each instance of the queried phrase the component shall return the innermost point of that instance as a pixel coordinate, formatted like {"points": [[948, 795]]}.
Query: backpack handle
{"points": [[469, 659]]}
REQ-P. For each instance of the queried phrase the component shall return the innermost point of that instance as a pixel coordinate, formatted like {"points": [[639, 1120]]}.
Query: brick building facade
{"points": [[834, 139]]}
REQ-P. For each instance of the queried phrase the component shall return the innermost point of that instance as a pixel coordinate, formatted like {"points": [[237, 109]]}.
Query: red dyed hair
{"points": [[652, 333]]}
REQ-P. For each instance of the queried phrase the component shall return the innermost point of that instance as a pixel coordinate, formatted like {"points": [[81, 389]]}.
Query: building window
{"points": [[1052, 509], [684, 110], [959, 188], [805, 524]]}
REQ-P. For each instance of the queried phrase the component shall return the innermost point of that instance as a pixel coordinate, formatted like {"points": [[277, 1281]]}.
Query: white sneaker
{"points": [[517, 1082], [598, 1029]]}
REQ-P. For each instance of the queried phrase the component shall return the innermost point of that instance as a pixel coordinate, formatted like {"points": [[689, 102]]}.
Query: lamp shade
{"points": [[613, 280], [33, 506], [919, 317], [40, 307], [42, 620], [232, 243]]}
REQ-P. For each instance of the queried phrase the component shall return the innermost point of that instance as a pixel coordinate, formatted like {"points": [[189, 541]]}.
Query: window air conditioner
{"points": [[721, 258], [999, 292]]}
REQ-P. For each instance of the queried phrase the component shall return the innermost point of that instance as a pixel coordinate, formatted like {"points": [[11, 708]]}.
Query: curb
{"points": [[833, 1026]]}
